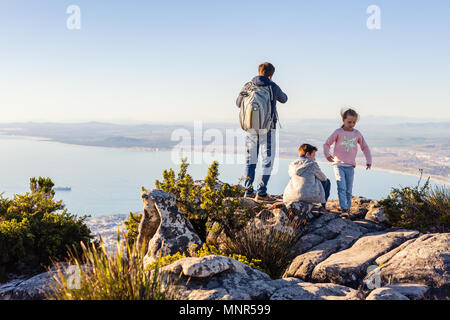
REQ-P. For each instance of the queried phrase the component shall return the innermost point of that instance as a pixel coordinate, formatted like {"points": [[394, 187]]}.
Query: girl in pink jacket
{"points": [[346, 140]]}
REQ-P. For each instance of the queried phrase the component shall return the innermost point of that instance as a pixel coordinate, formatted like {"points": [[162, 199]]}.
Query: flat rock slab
{"points": [[316, 291], [34, 288], [349, 266], [203, 267], [424, 261], [223, 278], [328, 227], [411, 290], [386, 294], [220, 278], [303, 265]]}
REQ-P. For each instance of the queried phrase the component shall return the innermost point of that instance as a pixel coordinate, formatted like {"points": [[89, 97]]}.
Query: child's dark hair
{"points": [[266, 69], [306, 148], [349, 112]]}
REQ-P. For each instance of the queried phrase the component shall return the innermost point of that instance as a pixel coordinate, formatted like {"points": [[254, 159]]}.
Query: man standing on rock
{"points": [[258, 117]]}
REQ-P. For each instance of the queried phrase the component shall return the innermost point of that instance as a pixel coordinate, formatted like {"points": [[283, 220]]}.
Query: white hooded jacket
{"points": [[305, 183]]}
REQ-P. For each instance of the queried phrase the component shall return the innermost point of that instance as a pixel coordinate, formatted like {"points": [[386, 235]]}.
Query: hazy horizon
{"points": [[369, 119], [178, 61]]}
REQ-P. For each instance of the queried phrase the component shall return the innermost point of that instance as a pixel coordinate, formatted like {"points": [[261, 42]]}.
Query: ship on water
{"points": [[62, 188]]}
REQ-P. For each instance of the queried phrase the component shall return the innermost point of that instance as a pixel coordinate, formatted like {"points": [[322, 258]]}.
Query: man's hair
{"points": [[305, 148], [266, 69]]}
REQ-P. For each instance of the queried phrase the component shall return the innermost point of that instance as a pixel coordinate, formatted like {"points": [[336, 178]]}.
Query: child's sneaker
{"points": [[345, 214]]}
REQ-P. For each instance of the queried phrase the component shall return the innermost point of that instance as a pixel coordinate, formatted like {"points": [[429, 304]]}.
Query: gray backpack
{"points": [[256, 108]]}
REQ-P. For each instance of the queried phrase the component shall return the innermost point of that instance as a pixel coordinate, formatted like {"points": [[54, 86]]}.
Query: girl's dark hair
{"points": [[349, 112]]}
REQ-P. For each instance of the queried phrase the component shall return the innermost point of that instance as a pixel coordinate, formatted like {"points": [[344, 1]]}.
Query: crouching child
{"points": [[307, 182]]}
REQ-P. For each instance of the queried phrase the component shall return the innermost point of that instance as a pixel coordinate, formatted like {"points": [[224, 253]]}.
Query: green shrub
{"points": [[33, 229], [209, 207], [132, 226], [423, 208], [105, 276], [205, 204]]}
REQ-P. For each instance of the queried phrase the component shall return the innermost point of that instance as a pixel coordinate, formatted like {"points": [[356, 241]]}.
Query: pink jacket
{"points": [[345, 147]]}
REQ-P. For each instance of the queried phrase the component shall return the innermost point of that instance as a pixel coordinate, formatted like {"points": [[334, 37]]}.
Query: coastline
{"points": [[433, 178]]}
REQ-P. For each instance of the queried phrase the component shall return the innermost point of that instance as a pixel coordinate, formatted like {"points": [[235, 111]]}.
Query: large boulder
{"points": [[268, 220], [218, 278], [303, 265], [359, 208], [300, 209], [376, 213], [404, 291], [164, 230], [223, 278], [349, 266], [386, 294], [425, 260], [316, 291], [34, 288], [329, 227]]}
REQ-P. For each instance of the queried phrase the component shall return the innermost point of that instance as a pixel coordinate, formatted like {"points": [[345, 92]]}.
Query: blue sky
{"points": [[171, 61]]}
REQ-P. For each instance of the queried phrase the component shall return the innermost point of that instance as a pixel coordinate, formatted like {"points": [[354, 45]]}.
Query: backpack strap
{"points": [[276, 111], [271, 93]]}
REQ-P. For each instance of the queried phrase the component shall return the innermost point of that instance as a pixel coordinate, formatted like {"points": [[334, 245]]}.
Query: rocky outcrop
{"points": [[163, 229], [219, 278], [359, 209], [300, 210], [375, 213], [316, 291], [222, 278], [335, 258], [425, 260], [323, 237], [399, 292], [386, 294], [349, 266], [30, 289]]}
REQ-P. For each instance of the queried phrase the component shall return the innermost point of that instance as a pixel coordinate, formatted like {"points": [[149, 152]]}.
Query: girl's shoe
{"points": [[345, 214]]}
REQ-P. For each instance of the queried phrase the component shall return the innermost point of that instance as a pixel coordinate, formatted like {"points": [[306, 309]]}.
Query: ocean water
{"points": [[109, 180]]}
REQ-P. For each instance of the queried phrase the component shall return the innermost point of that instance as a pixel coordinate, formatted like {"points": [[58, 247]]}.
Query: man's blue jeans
{"points": [[254, 142], [344, 178]]}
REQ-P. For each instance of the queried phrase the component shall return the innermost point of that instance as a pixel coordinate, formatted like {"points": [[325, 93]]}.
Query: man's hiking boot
{"points": [[265, 198], [249, 195]]}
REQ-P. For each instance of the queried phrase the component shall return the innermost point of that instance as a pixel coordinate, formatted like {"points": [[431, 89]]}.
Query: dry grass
{"points": [[110, 276]]}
